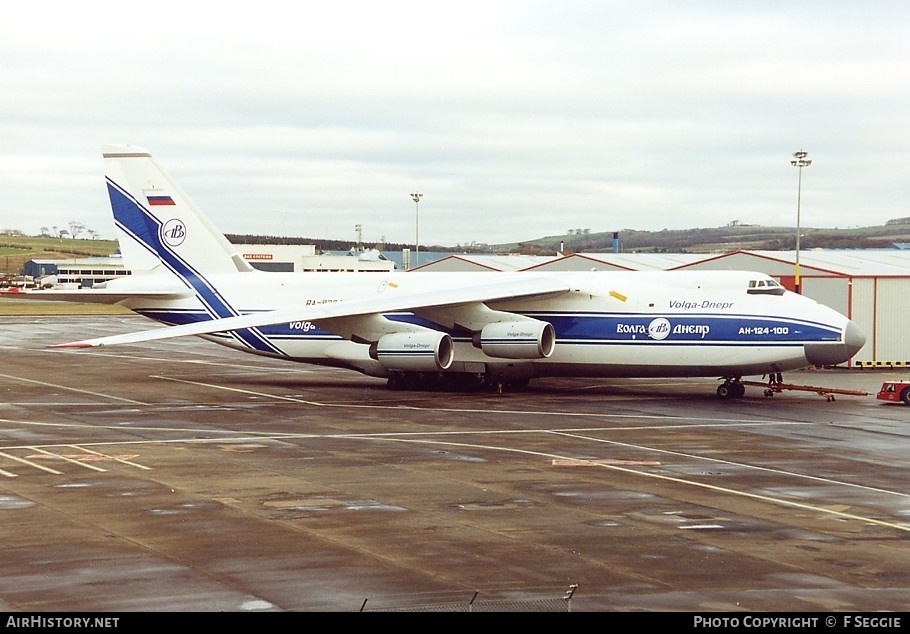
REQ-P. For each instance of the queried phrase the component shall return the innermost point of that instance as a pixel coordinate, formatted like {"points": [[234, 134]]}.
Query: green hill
{"points": [[15, 251], [719, 239]]}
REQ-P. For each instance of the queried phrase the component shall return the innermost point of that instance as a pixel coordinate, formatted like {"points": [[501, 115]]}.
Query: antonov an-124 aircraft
{"points": [[446, 330]]}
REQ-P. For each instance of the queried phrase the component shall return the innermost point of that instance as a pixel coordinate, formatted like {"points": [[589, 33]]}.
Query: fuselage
{"points": [[610, 324]]}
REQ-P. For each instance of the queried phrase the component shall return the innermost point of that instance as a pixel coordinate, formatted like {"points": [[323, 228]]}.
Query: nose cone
{"points": [[852, 340]]}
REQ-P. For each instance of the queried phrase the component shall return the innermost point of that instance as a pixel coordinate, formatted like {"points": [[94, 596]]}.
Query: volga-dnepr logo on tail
{"points": [[173, 232]]}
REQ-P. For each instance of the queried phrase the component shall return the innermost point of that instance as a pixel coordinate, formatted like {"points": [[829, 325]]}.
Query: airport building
{"points": [[303, 257], [86, 272], [77, 272]]}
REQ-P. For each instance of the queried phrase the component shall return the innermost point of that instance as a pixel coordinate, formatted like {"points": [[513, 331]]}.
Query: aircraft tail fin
{"points": [[158, 224]]}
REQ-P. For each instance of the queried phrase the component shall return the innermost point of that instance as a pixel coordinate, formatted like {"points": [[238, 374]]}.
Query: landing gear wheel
{"points": [[731, 389]]}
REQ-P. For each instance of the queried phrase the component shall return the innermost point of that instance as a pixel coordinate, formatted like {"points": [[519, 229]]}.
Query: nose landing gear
{"points": [[731, 388]]}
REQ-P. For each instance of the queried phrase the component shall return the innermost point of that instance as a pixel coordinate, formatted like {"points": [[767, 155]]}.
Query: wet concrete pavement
{"points": [[184, 476]]}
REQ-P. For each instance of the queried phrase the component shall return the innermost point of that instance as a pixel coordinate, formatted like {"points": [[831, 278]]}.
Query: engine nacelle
{"points": [[527, 339], [419, 351]]}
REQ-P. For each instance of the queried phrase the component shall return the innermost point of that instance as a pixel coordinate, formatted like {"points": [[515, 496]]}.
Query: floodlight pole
{"points": [[416, 196], [800, 161]]}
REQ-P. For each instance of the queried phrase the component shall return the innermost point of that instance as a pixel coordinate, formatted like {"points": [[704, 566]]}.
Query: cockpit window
{"points": [[765, 287]]}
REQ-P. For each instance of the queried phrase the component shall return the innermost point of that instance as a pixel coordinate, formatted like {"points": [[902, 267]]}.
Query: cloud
{"points": [[515, 120]]}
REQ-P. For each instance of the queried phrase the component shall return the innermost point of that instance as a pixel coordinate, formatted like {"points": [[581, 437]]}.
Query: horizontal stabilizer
{"points": [[92, 296], [77, 344]]}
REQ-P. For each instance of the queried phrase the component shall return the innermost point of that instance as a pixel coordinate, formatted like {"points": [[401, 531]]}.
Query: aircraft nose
{"points": [[852, 340]]}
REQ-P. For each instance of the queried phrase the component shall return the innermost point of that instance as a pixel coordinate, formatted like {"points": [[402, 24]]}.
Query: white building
{"points": [[303, 257]]}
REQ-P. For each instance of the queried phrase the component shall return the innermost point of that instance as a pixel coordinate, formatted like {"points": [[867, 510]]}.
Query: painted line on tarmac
{"points": [[109, 457], [57, 456], [71, 389], [29, 463]]}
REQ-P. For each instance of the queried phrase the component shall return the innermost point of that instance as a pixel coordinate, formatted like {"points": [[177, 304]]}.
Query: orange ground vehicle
{"points": [[896, 391]]}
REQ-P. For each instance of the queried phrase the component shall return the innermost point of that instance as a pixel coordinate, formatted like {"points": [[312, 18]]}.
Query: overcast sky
{"points": [[515, 120]]}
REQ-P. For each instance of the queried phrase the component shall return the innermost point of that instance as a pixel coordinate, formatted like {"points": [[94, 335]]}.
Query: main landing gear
{"points": [[454, 382]]}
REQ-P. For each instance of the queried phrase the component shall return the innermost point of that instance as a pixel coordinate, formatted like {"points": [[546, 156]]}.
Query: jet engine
{"points": [[426, 351], [527, 339]]}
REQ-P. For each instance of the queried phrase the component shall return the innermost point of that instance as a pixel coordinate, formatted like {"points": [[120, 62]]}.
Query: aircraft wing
{"points": [[395, 299], [92, 296]]}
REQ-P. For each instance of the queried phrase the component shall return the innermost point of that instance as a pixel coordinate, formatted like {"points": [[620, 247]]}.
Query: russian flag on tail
{"points": [[157, 197]]}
